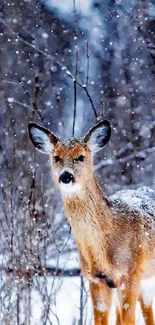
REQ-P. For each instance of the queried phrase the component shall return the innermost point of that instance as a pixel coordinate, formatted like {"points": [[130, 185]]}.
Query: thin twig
{"points": [[76, 70], [69, 74], [74, 113], [113, 161], [88, 56], [29, 107], [81, 300], [59, 63], [26, 42], [90, 99]]}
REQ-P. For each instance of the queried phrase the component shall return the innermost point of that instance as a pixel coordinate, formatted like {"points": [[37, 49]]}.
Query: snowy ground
{"points": [[67, 306], [66, 302]]}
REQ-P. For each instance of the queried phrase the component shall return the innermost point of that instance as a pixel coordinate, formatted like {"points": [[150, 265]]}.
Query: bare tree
{"points": [[64, 71]]}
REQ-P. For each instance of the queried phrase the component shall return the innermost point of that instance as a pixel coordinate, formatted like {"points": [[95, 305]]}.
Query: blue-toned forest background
{"points": [[63, 64]]}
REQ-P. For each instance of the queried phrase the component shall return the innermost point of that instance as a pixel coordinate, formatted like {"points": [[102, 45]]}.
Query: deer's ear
{"points": [[98, 136], [43, 139]]}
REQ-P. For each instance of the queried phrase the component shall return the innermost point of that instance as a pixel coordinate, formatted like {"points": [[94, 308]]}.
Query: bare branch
{"points": [[87, 55], [26, 42], [80, 85], [76, 69], [42, 271], [113, 161], [59, 63]]}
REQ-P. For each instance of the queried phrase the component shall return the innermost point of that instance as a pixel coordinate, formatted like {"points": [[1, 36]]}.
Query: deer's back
{"points": [[135, 211], [139, 202]]}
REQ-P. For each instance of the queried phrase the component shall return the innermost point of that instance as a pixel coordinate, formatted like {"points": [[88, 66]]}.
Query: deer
{"points": [[115, 235]]}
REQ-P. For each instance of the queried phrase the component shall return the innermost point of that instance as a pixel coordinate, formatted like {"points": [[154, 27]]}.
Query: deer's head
{"points": [[71, 159]]}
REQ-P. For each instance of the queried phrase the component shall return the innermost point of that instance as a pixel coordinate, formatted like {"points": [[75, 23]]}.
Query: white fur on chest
{"points": [[71, 190]]}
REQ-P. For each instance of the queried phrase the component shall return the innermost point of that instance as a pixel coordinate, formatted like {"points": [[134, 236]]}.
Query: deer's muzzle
{"points": [[66, 178]]}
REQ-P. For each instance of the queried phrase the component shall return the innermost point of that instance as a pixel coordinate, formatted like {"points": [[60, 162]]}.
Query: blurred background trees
{"points": [[64, 64]]}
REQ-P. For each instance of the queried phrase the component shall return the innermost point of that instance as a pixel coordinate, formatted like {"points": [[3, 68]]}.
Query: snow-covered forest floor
{"points": [[66, 305]]}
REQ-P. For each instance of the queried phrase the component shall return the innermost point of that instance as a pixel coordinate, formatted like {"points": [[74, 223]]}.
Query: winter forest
{"points": [[64, 64]]}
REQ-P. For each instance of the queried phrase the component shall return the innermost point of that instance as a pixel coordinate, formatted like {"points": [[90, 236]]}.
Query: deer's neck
{"points": [[90, 206]]}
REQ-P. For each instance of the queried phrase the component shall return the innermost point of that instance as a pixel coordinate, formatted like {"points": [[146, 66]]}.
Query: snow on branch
{"points": [[83, 86]]}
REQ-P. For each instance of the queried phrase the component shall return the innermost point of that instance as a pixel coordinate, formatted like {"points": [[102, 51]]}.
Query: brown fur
{"points": [[115, 238], [108, 240]]}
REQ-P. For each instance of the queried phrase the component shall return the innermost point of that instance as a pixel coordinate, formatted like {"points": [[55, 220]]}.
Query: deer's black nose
{"points": [[66, 178]]}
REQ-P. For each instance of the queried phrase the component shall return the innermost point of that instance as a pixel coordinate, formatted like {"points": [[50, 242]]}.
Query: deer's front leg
{"points": [[147, 311], [128, 298], [101, 296]]}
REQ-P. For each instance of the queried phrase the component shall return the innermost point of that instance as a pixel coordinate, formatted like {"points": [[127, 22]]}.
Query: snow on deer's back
{"points": [[116, 236]]}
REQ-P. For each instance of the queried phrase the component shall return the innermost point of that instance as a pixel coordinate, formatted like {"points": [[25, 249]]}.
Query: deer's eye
{"points": [[80, 158], [57, 158]]}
